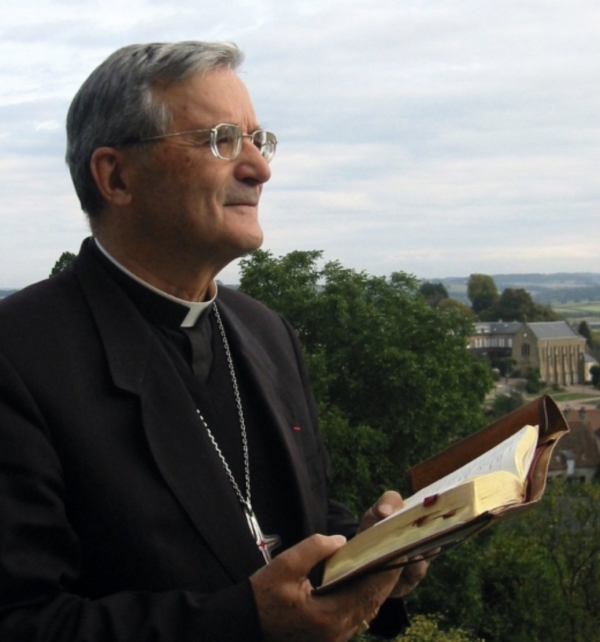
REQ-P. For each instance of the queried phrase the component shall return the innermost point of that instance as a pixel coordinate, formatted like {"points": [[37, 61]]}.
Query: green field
{"points": [[577, 309], [574, 396]]}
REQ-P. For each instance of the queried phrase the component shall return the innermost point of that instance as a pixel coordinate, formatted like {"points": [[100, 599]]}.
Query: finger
{"points": [[365, 596], [358, 602], [388, 503], [412, 574], [301, 558], [283, 594]]}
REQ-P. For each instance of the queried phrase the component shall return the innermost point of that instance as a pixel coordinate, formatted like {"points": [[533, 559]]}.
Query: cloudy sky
{"points": [[437, 137]]}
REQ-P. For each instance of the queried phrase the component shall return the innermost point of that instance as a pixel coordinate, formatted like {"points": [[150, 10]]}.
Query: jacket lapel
{"points": [[180, 447], [191, 467], [276, 398]]}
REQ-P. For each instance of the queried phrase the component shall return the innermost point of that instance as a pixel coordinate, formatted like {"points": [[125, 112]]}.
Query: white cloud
{"points": [[436, 137]]}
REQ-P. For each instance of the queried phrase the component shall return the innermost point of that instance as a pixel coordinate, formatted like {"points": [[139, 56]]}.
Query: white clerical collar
{"points": [[195, 308]]}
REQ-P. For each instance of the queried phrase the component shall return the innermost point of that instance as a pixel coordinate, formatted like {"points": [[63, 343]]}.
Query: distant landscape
{"points": [[573, 295]]}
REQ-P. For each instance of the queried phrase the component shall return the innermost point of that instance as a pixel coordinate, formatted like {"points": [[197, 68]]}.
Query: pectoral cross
{"points": [[265, 543]]}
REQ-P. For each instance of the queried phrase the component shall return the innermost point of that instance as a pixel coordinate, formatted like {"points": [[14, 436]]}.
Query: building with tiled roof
{"points": [[576, 456], [553, 348], [493, 339]]}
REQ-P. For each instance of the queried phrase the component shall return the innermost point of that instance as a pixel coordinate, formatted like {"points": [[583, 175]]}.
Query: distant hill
{"points": [[561, 287]]}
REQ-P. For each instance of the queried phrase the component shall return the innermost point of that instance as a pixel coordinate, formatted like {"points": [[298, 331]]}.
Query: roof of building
{"points": [[554, 330], [588, 415], [497, 327], [578, 444]]}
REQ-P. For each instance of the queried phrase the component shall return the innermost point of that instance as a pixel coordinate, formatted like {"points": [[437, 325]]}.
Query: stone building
{"points": [[553, 348]]}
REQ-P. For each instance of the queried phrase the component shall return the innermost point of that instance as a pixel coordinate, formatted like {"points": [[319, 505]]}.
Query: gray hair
{"points": [[116, 103]]}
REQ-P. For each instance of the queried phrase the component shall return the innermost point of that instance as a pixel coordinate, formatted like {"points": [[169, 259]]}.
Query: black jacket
{"points": [[116, 520]]}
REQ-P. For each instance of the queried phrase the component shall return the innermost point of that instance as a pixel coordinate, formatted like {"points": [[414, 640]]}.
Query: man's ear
{"points": [[110, 169]]}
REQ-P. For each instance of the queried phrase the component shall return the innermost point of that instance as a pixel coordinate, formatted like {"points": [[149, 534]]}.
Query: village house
{"points": [[493, 339], [577, 454]]}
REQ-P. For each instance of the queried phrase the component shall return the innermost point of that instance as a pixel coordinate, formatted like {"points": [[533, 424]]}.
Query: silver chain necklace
{"points": [[265, 543]]}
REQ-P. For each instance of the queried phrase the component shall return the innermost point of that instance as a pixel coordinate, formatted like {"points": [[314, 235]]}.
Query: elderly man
{"points": [[162, 473]]}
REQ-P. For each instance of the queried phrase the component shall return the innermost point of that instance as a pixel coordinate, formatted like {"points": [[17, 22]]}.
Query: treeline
{"points": [[488, 304], [543, 288]]}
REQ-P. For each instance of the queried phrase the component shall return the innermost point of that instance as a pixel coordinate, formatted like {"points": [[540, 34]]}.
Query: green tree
{"points": [[595, 374], [505, 403], [446, 304], [517, 305], [533, 382], [425, 628], [434, 293], [584, 331], [482, 292], [535, 577], [429, 629], [505, 365], [543, 570], [65, 259], [382, 362]]}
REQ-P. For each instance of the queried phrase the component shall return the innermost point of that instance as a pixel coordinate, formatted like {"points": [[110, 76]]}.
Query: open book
{"points": [[499, 470]]}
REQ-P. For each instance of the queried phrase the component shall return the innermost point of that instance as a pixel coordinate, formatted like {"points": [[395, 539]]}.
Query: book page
{"points": [[514, 455]]}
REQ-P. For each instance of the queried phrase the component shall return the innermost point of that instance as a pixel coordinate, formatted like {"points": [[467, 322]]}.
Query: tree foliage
{"points": [[427, 628], [517, 305], [514, 304], [434, 293], [505, 403], [394, 383], [554, 551], [504, 365], [65, 259], [460, 307], [533, 381], [392, 376], [584, 331], [595, 374], [482, 292], [536, 577]]}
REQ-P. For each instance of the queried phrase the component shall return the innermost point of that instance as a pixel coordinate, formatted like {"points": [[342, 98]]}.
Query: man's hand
{"points": [[416, 568], [388, 503], [289, 611]]}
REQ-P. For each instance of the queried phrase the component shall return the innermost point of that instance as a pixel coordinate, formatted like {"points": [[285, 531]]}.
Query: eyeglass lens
{"points": [[227, 141]]}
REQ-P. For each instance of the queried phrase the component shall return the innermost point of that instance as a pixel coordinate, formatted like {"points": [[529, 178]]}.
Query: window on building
{"points": [[525, 350]]}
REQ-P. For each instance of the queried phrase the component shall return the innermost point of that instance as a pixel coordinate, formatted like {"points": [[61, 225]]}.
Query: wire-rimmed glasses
{"points": [[226, 140]]}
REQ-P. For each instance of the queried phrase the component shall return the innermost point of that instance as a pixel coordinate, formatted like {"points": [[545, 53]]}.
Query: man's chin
{"points": [[254, 246], [248, 245]]}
